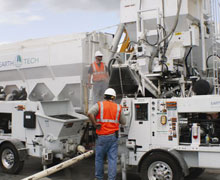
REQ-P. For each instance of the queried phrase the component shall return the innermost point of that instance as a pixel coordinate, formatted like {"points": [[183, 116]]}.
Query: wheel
{"points": [[10, 162], [195, 172], [160, 166]]}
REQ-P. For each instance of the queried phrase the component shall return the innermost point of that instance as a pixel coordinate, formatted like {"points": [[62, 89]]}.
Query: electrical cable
{"points": [[163, 9], [132, 42], [164, 30], [120, 79], [152, 44]]}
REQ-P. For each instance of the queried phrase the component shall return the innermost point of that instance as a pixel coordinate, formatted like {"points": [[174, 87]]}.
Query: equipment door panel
{"points": [[140, 124]]}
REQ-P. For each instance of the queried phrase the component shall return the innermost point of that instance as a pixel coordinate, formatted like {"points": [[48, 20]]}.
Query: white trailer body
{"points": [[45, 122], [47, 130], [53, 68], [43, 127]]}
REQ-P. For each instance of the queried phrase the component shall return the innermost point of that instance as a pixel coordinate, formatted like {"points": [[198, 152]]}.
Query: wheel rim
{"points": [[160, 171], [8, 158]]}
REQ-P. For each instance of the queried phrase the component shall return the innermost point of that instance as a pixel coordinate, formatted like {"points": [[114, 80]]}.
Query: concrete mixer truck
{"points": [[167, 75]]}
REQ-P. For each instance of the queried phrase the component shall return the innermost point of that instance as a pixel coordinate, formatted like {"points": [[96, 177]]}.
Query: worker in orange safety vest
{"points": [[106, 117], [100, 77]]}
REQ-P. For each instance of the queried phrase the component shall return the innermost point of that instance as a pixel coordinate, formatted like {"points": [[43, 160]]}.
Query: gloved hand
{"points": [[97, 126]]}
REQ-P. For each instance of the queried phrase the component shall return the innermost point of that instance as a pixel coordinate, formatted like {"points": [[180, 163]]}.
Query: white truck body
{"points": [[165, 127], [152, 134], [172, 128]]}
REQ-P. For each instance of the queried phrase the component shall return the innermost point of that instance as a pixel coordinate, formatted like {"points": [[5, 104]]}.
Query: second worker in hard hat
{"points": [[99, 75], [106, 117]]}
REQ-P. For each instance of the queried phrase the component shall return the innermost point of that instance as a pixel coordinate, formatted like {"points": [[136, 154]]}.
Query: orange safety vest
{"points": [[108, 117], [99, 72]]}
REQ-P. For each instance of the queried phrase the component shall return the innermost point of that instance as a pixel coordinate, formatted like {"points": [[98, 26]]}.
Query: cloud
{"points": [[61, 5], [14, 5], [18, 11], [34, 18], [88, 5], [19, 19], [26, 11]]}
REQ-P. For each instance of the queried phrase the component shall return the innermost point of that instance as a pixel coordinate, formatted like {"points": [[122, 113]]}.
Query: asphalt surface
{"points": [[84, 170]]}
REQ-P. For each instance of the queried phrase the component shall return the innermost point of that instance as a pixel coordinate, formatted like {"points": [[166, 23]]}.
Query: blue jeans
{"points": [[106, 145]]}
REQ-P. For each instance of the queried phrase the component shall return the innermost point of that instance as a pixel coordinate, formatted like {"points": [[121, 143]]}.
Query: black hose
{"points": [[165, 41], [152, 44], [207, 59], [167, 68], [121, 83], [110, 63], [186, 64]]}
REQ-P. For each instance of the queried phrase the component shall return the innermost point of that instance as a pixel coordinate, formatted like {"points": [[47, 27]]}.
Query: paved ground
{"points": [[84, 170]]}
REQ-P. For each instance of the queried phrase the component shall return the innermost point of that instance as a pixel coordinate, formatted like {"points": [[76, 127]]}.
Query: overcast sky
{"points": [[28, 19]]}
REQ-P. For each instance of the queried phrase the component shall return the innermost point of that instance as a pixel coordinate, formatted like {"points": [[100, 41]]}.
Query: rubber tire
{"points": [[194, 173], [177, 171], [18, 165]]}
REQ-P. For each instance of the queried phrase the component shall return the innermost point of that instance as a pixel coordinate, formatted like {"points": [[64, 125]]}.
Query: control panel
{"points": [[141, 112]]}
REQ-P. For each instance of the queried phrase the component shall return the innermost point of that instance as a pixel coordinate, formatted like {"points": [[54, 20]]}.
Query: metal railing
{"points": [[215, 35]]}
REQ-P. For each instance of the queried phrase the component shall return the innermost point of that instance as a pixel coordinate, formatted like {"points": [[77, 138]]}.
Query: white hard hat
{"points": [[98, 53], [110, 92]]}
